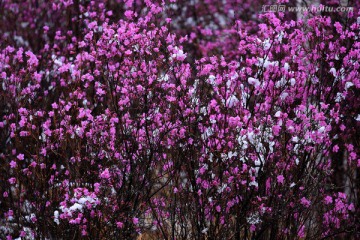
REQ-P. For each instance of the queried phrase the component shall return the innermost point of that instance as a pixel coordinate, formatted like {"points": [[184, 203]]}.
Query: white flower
{"points": [[253, 81]]}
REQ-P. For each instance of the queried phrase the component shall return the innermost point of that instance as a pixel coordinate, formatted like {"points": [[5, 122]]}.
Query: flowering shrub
{"points": [[177, 120]]}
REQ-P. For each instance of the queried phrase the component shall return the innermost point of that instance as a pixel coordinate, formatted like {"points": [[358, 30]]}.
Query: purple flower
{"points": [[13, 164], [105, 174], [20, 156], [135, 221], [12, 180], [119, 224], [280, 179], [305, 202], [328, 200]]}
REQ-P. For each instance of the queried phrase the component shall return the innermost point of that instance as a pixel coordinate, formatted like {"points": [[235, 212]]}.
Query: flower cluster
{"points": [[177, 120]]}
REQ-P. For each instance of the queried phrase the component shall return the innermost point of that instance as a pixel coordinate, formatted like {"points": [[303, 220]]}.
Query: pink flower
{"points": [[218, 208], [305, 202], [328, 200], [105, 174], [32, 61], [12, 180], [100, 91], [280, 179], [128, 14], [234, 121], [301, 232], [119, 224], [135, 221], [20, 156], [351, 207], [341, 195], [276, 130], [22, 234], [13, 164], [336, 148], [96, 187], [54, 105], [43, 151], [84, 232]]}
